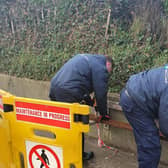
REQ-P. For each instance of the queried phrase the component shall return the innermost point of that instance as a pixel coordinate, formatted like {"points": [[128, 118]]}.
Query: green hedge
{"points": [[38, 37]]}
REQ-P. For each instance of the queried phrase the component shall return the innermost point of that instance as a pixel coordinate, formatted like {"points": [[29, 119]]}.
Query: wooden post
{"points": [[108, 22]]}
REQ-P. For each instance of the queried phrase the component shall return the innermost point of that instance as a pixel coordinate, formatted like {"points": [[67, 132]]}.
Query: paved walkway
{"points": [[105, 158]]}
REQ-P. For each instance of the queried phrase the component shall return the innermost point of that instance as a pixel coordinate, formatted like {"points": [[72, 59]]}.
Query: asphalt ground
{"points": [[110, 158]]}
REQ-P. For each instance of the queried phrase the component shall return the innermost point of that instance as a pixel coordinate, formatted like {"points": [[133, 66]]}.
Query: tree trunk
{"points": [[12, 26]]}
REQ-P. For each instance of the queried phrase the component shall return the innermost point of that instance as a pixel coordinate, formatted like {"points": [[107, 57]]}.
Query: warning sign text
{"points": [[43, 114]]}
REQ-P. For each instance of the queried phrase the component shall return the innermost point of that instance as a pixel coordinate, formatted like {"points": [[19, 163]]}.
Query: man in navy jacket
{"points": [[145, 100], [79, 77]]}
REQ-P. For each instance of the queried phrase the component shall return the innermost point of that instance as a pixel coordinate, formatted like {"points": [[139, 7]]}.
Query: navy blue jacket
{"points": [[149, 90], [84, 74]]}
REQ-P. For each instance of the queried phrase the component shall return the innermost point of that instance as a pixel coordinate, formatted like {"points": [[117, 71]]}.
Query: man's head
{"points": [[109, 63]]}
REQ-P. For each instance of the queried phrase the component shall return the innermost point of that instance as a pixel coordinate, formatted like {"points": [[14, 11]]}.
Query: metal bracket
{"points": [[8, 107], [81, 118]]}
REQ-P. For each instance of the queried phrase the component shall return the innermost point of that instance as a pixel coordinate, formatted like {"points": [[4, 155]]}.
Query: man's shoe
{"points": [[88, 155]]}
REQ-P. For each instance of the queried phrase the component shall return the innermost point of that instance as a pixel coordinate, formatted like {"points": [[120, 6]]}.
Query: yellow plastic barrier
{"points": [[46, 134], [6, 159]]}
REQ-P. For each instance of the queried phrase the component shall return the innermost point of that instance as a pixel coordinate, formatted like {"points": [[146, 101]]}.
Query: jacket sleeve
{"points": [[100, 87], [163, 112]]}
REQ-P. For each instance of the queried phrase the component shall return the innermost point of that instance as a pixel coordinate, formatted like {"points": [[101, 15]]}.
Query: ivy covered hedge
{"points": [[38, 36]]}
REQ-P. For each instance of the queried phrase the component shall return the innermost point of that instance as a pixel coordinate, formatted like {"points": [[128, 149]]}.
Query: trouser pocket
{"points": [[125, 102]]}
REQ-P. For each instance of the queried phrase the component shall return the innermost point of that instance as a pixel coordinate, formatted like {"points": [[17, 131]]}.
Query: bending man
{"points": [[80, 76], [144, 100]]}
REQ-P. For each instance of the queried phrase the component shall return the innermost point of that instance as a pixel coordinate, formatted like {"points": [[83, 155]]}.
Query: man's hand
{"points": [[104, 118], [88, 100]]}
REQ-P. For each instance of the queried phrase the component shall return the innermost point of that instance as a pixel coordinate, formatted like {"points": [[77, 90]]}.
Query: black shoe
{"points": [[88, 155]]}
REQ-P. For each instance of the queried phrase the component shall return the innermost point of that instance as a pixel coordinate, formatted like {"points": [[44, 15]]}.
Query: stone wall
{"points": [[24, 87]]}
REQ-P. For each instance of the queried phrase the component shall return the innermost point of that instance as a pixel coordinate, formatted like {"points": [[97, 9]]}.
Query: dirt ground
{"points": [[106, 158]]}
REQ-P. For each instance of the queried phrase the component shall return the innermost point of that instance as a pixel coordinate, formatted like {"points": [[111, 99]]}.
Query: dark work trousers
{"points": [[145, 131], [58, 94]]}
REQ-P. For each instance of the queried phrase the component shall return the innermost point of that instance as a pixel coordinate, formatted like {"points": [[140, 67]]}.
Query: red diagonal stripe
{"points": [[41, 159]]}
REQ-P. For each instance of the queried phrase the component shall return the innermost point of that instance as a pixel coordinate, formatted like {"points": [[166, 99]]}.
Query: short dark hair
{"points": [[109, 59]]}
